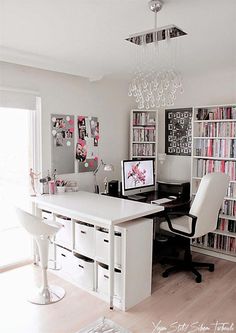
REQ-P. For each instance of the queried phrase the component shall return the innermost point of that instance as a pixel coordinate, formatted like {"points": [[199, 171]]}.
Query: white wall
{"points": [[66, 94], [107, 99], [203, 89]]}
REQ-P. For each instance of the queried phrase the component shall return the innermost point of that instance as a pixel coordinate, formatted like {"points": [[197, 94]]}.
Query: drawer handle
{"points": [[83, 232], [106, 276], [81, 266], [106, 240], [63, 255]]}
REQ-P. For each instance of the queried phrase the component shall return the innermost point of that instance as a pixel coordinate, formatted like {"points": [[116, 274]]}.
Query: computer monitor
{"points": [[137, 176]]}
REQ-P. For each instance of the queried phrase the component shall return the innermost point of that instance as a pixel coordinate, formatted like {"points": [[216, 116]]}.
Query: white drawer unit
{"points": [[85, 239], [65, 260], [64, 235], [46, 215], [103, 281], [102, 247], [83, 271]]}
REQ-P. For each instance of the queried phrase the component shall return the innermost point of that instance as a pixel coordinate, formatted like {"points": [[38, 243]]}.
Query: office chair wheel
{"points": [[211, 268], [165, 275], [198, 279]]}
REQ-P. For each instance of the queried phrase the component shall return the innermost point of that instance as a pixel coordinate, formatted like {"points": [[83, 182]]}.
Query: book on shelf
{"points": [[216, 113], [217, 242]]}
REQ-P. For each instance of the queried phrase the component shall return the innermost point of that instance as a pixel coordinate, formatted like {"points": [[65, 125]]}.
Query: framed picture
{"points": [[178, 132]]}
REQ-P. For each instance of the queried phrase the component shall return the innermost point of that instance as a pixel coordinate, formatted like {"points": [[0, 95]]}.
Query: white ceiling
{"points": [[87, 37]]}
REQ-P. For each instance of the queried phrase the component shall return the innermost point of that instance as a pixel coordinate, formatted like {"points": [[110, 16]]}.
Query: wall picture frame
{"points": [[178, 131]]}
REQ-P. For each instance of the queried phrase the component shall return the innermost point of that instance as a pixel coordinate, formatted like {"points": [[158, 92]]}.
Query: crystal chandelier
{"points": [[152, 87]]}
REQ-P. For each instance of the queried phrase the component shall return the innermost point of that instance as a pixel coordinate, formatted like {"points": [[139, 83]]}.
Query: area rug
{"points": [[103, 325]]}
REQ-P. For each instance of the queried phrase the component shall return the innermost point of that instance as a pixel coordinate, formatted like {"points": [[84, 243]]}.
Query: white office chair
{"points": [[41, 232], [201, 220]]}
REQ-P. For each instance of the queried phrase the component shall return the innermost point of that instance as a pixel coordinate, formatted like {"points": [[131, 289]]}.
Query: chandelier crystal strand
{"points": [[152, 85]]}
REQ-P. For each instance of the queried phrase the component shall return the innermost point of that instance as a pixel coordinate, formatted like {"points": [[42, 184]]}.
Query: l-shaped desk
{"points": [[101, 211]]}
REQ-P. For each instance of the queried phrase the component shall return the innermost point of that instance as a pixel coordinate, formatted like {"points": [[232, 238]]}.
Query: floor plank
{"points": [[175, 299]]}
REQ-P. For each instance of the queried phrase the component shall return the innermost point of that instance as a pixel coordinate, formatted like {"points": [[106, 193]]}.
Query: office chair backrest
{"points": [[208, 201], [35, 225]]}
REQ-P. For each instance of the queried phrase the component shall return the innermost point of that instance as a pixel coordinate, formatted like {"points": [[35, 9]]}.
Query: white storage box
{"points": [[65, 261], [46, 215], [103, 281], [84, 239], [102, 247], [83, 272], [64, 235]]}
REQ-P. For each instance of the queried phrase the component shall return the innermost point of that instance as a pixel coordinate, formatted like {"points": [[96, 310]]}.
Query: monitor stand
{"points": [[136, 197]]}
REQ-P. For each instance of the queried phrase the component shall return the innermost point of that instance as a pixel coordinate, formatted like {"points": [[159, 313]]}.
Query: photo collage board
{"points": [[87, 144], [62, 143], [178, 132]]}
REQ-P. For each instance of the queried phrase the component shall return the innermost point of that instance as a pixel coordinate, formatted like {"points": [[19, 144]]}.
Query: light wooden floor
{"points": [[177, 298]]}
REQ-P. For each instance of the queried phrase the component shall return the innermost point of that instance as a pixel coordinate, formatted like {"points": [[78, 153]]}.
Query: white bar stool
{"points": [[41, 232]]}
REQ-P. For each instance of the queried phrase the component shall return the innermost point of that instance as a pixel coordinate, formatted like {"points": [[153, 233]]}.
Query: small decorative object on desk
{"points": [[61, 185], [72, 186], [33, 177]]}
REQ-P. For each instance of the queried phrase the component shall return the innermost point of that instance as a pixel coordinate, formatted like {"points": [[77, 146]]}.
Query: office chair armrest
{"points": [[182, 233]]}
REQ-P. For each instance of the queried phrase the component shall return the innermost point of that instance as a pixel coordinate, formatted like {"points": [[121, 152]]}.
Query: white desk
{"points": [[100, 210]]}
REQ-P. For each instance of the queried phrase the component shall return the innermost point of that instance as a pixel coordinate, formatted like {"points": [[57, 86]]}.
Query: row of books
{"points": [[229, 207], [216, 148], [216, 129], [143, 149], [231, 191], [218, 242], [226, 225], [207, 166], [143, 118], [227, 112], [144, 134]]}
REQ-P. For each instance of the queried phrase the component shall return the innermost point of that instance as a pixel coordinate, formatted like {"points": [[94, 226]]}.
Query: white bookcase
{"points": [[143, 134], [214, 150], [81, 251]]}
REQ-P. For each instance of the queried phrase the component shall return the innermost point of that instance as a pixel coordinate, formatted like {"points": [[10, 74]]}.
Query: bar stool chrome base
{"points": [[49, 295]]}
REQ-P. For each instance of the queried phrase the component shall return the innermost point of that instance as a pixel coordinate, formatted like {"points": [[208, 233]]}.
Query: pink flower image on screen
{"points": [[138, 175]]}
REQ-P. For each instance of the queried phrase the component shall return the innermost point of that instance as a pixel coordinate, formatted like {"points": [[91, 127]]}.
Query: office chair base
{"points": [[188, 266], [50, 295]]}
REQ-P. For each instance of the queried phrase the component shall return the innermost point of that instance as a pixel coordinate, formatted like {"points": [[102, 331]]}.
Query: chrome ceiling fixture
{"points": [[151, 86]]}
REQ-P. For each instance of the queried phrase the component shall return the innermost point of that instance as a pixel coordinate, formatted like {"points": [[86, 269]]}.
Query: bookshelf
{"points": [[143, 134], [214, 150]]}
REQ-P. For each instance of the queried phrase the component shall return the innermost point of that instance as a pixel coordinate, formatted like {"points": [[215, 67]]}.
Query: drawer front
{"points": [[65, 260], [84, 240], [83, 273], [102, 248], [103, 282], [47, 215], [64, 235]]}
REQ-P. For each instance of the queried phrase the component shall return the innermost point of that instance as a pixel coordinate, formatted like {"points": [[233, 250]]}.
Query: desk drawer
{"points": [[84, 239], [83, 271], [102, 247], [65, 260], [103, 281], [64, 235]]}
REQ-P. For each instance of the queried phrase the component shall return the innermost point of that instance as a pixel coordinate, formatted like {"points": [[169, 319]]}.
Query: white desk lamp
{"points": [[107, 168]]}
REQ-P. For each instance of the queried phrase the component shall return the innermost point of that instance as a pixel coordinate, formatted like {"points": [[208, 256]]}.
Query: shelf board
{"points": [[213, 253], [199, 178], [137, 142], [135, 156], [153, 126], [215, 121], [225, 233], [214, 250], [227, 217], [225, 198], [215, 158], [215, 137]]}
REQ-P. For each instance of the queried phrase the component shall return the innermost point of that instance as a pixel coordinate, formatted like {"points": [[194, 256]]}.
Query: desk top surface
{"points": [[93, 208]]}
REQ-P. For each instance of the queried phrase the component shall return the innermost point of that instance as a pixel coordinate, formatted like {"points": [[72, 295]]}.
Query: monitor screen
{"points": [[137, 176]]}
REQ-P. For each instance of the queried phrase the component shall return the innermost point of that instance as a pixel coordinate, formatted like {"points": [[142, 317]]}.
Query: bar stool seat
{"points": [[41, 232]]}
